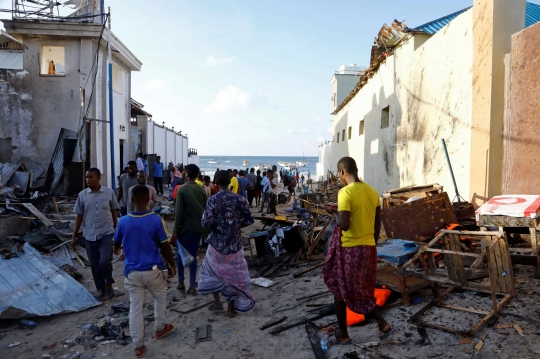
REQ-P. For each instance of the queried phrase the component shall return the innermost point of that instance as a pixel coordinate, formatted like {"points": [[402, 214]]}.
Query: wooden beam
{"points": [[308, 270], [311, 330]]}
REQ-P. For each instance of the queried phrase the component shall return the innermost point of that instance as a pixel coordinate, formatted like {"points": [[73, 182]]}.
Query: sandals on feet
{"points": [[192, 291], [213, 308], [139, 352], [164, 332], [181, 287], [106, 295], [386, 334]]}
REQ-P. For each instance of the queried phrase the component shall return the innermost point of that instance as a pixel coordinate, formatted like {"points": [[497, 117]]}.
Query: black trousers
{"points": [[158, 185], [100, 255], [250, 194]]}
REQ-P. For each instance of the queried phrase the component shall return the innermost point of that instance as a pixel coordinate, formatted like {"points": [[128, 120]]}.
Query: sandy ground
{"points": [[240, 337]]}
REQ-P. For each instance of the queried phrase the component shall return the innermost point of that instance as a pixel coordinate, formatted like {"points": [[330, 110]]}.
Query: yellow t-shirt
{"points": [[361, 200], [234, 185], [199, 183]]}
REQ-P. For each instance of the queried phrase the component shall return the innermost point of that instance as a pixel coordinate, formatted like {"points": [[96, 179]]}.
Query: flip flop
{"points": [[181, 287], [334, 340], [386, 334], [213, 308], [105, 296], [141, 354], [166, 331]]}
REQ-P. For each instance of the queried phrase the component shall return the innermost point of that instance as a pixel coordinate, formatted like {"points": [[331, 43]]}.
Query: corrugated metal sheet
{"points": [[532, 14], [62, 154], [434, 26], [6, 171], [31, 286], [32, 166], [11, 60]]}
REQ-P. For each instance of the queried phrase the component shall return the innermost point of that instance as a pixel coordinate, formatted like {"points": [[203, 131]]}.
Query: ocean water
{"points": [[236, 162]]}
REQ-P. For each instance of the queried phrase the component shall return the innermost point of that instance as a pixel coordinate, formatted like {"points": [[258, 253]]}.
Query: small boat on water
{"points": [[301, 163], [245, 163], [213, 162], [227, 161]]}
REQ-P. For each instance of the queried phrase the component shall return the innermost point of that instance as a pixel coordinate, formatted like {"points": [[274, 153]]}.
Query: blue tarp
{"points": [[396, 251], [31, 286]]}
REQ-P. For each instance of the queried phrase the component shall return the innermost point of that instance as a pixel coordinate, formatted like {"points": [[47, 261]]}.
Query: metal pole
{"points": [[111, 117], [451, 171], [102, 10]]}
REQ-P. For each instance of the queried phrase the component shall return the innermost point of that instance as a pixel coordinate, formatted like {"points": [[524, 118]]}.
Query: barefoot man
{"points": [[224, 268], [351, 264]]}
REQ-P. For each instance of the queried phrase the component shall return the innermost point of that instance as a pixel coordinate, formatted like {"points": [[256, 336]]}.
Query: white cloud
{"points": [[231, 98], [214, 61], [154, 84]]}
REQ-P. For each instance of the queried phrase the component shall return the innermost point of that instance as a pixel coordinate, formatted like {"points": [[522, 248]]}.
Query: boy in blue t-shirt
{"points": [[138, 233]]}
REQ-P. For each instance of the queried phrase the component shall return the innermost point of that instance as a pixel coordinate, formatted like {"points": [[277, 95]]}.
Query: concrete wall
{"points": [[342, 85], [426, 84], [521, 145], [162, 141]]}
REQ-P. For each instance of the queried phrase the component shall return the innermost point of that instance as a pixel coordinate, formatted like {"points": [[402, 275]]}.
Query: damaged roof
{"points": [[434, 26], [31, 286]]}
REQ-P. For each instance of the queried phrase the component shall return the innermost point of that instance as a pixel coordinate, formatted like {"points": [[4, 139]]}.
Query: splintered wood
{"points": [[501, 276]]}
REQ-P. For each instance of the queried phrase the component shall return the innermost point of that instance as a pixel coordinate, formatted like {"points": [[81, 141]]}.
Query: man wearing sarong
{"points": [[224, 268], [351, 264]]}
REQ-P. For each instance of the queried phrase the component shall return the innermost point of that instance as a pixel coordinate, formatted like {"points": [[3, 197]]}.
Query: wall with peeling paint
{"points": [[427, 85]]}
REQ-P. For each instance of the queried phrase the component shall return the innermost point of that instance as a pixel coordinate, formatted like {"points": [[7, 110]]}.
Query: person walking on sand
{"points": [[140, 162], [252, 178], [96, 208], [126, 181], [154, 200], [142, 234], [158, 175], [272, 192], [264, 192], [234, 182], [188, 210], [244, 184], [350, 268], [224, 268], [258, 189]]}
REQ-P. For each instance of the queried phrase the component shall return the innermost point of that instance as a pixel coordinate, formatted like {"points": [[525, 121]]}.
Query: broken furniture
{"points": [[387, 276], [418, 220], [316, 232], [401, 195], [514, 211], [457, 275]]}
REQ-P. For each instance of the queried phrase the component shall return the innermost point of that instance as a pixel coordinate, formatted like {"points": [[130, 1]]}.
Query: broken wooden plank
{"points": [[192, 309], [323, 312], [272, 323], [203, 333], [29, 206], [311, 330], [313, 295], [308, 270]]}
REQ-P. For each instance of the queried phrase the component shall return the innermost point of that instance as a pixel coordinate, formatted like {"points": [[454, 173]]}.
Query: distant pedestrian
{"points": [[244, 184], [145, 163], [214, 180], [264, 192], [199, 180], [252, 178], [142, 234], [96, 208], [127, 180], [280, 176], [234, 182], [139, 162], [188, 210], [154, 200], [158, 175], [258, 189], [208, 187], [176, 179], [224, 268], [272, 193]]}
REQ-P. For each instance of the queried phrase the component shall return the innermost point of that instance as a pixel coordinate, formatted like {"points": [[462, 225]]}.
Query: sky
{"points": [[252, 78]]}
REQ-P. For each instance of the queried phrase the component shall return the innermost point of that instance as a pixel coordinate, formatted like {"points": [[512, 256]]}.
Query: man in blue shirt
{"points": [[244, 184], [158, 175], [142, 234]]}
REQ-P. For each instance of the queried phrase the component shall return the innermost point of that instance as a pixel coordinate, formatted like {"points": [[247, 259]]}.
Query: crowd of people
{"points": [[212, 213]]}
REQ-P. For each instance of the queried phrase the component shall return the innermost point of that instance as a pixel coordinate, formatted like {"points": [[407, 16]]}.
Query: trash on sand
{"points": [[29, 324], [14, 344], [263, 282]]}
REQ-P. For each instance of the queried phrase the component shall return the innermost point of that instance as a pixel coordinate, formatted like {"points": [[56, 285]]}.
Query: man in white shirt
{"points": [[140, 162], [272, 192]]}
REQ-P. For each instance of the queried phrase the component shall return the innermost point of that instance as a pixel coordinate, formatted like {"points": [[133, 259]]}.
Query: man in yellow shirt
{"points": [[350, 269], [234, 182]]}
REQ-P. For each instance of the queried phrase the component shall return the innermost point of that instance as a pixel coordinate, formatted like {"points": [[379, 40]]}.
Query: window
{"points": [[343, 135], [52, 61], [361, 129], [385, 117], [335, 100], [118, 78], [338, 137], [350, 132]]}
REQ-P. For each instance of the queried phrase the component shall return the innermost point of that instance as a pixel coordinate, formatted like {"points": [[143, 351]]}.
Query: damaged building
{"points": [[445, 79]]}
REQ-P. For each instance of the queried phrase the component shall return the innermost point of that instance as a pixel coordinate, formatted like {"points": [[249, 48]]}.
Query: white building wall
{"points": [[159, 142], [171, 152], [428, 86], [185, 150]]}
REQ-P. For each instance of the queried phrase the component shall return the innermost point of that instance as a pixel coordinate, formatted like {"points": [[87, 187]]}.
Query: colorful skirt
{"points": [[350, 274], [228, 274]]}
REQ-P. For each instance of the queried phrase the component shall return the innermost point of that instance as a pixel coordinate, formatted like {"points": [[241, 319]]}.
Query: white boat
{"points": [[213, 162], [301, 164], [227, 161], [245, 163], [282, 164]]}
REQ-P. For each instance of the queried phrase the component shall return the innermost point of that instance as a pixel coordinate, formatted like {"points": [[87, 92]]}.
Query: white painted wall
{"points": [[428, 86], [171, 152], [159, 142], [185, 147]]}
